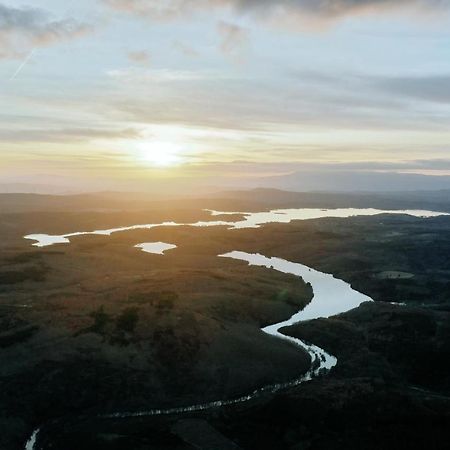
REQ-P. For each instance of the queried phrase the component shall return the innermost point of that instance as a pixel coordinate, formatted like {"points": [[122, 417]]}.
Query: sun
{"points": [[160, 153]]}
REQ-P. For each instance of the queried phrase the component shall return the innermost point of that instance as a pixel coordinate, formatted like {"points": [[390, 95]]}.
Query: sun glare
{"points": [[160, 153]]}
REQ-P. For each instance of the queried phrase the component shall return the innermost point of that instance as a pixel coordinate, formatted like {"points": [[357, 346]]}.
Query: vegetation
{"points": [[31, 273], [17, 336], [162, 300], [101, 319], [109, 328], [127, 320]]}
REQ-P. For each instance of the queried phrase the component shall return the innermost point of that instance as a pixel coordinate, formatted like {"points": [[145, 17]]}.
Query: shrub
{"points": [[157, 298], [127, 320], [101, 319]]}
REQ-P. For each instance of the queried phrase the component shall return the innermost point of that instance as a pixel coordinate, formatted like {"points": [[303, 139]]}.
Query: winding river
{"points": [[331, 295]]}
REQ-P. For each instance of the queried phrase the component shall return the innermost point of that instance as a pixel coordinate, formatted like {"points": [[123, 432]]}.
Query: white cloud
{"points": [[274, 9], [22, 29]]}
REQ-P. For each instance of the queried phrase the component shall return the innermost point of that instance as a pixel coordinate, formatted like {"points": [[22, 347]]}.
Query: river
{"points": [[331, 295], [249, 220]]}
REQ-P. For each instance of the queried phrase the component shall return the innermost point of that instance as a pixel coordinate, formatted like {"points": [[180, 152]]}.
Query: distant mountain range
{"points": [[300, 181], [31, 188], [232, 200], [351, 181]]}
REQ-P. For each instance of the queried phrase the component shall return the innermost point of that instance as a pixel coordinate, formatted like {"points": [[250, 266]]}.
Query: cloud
{"points": [[140, 57], [233, 38], [294, 102], [157, 9], [133, 75], [291, 166], [285, 10], [185, 49], [22, 29], [332, 8], [64, 135], [433, 88]]}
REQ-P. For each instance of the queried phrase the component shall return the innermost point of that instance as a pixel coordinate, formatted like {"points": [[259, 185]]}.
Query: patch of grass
{"points": [[27, 274], [23, 258], [160, 299], [29, 257]]}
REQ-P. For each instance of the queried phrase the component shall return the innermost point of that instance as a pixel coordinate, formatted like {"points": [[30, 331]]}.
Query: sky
{"points": [[105, 93]]}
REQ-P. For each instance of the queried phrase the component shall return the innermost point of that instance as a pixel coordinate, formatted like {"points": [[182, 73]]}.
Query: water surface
{"points": [[158, 248], [249, 220]]}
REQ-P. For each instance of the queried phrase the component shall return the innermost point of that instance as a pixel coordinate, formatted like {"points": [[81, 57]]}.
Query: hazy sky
{"points": [[117, 89]]}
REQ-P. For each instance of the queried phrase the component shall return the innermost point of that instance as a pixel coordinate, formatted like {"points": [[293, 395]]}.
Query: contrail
{"points": [[22, 65], [25, 61]]}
